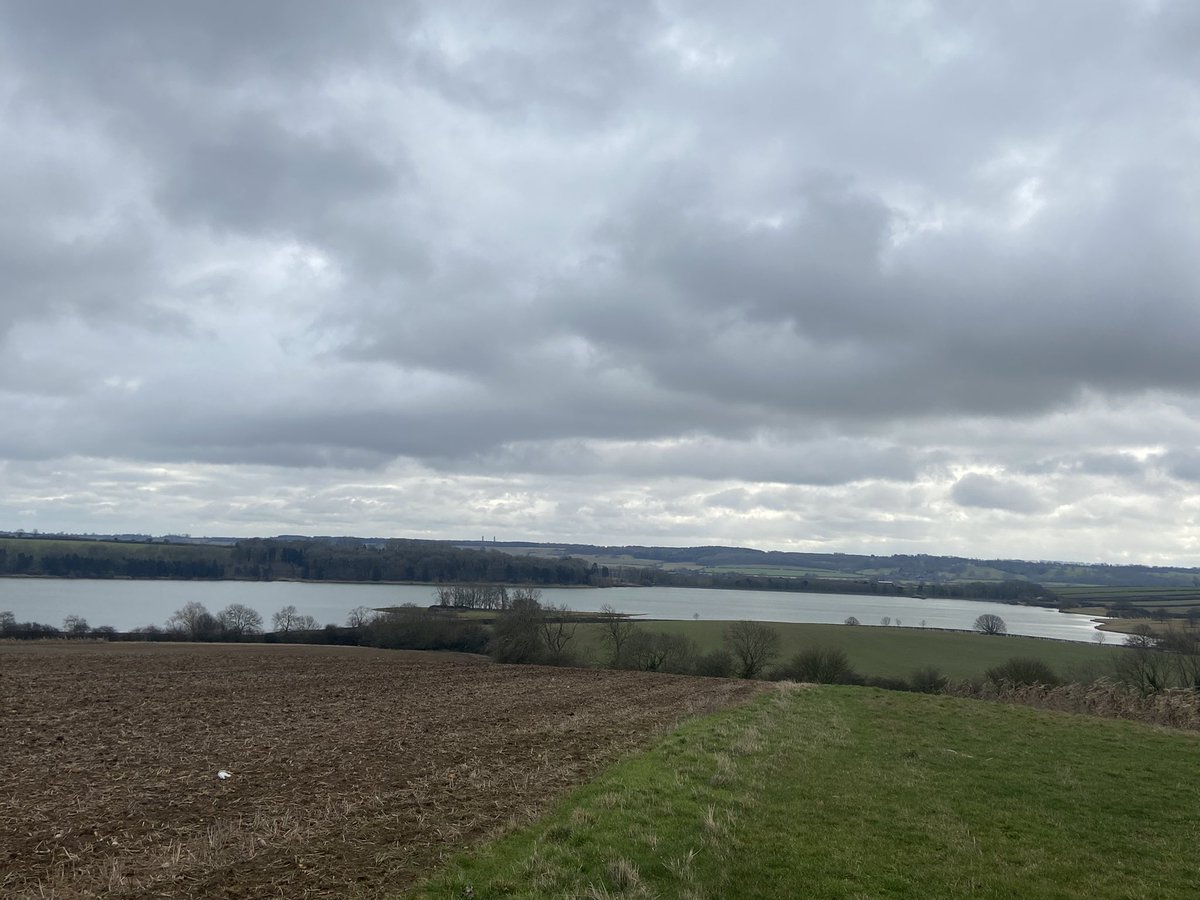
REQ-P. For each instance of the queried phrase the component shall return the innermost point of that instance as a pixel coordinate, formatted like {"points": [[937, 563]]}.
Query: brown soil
{"points": [[354, 771]]}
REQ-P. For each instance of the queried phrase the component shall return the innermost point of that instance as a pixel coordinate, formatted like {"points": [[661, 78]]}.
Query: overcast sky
{"points": [[864, 277]]}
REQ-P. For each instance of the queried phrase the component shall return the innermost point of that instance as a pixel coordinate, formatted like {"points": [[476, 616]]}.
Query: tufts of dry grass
{"points": [[1174, 708]]}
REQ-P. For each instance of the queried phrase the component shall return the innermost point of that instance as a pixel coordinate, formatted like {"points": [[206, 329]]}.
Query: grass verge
{"points": [[855, 792]]}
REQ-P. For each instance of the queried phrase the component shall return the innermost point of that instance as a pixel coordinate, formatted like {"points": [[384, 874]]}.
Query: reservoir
{"points": [[132, 604]]}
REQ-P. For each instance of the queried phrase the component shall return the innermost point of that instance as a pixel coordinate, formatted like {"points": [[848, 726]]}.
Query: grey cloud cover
{"points": [[884, 277], [977, 489]]}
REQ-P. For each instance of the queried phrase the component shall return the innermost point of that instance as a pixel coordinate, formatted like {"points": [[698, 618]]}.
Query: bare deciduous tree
{"points": [[660, 651], [361, 617], [1141, 637], [1145, 668], [754, 645], [239, 620], [990, 623], [618, 628], [193, 621], [285, 620], [558, 630], [473, 596], [1183, 651]]}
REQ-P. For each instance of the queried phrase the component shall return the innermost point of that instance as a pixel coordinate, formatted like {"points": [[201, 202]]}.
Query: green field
{"points": [[897, 652], [782, 572], [855, 792], [1170, 597], [1108, 590], [961, 573]]}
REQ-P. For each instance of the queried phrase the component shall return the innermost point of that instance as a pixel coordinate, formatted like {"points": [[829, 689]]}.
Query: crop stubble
{"points": [[353, 771]]}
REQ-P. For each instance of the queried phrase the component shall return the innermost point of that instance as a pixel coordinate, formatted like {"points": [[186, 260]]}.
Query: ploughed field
{"points": [[353, 771]]}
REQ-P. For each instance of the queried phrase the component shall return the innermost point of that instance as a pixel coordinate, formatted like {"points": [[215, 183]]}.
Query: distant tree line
{"points": [[414, 561], [920, 567], [1026, 592], [400, 561], [11, 629], [110, 560], [1124, 609], [310, 560]]}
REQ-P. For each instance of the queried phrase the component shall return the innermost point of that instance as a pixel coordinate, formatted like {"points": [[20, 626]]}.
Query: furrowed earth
{"points": [[353, 772]]}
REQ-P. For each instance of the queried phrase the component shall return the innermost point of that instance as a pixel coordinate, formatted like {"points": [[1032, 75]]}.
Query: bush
{"points": [[1141, 637], [717, 664], [415, 628], [516, 636], [660, 651], [338, 635], [1022, 670], [192, 622], [928, 680], [820, 665]]}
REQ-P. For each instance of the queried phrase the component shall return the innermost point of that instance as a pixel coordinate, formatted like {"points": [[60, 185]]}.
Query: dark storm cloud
{"points": [[225, 40], [994, 493], [1183, 464], [256, 177], [809, 316]]}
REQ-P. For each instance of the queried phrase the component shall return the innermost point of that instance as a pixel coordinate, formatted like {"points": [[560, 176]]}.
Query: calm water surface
{"points": [[130, 604]]}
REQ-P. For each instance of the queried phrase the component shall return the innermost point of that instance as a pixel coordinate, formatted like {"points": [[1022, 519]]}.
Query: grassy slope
{"points": [[854, 792], [875, 650]]}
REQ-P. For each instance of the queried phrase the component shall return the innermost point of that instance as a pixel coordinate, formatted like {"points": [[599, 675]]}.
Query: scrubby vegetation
{"points": [[820, 665], [1020, 671]]}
